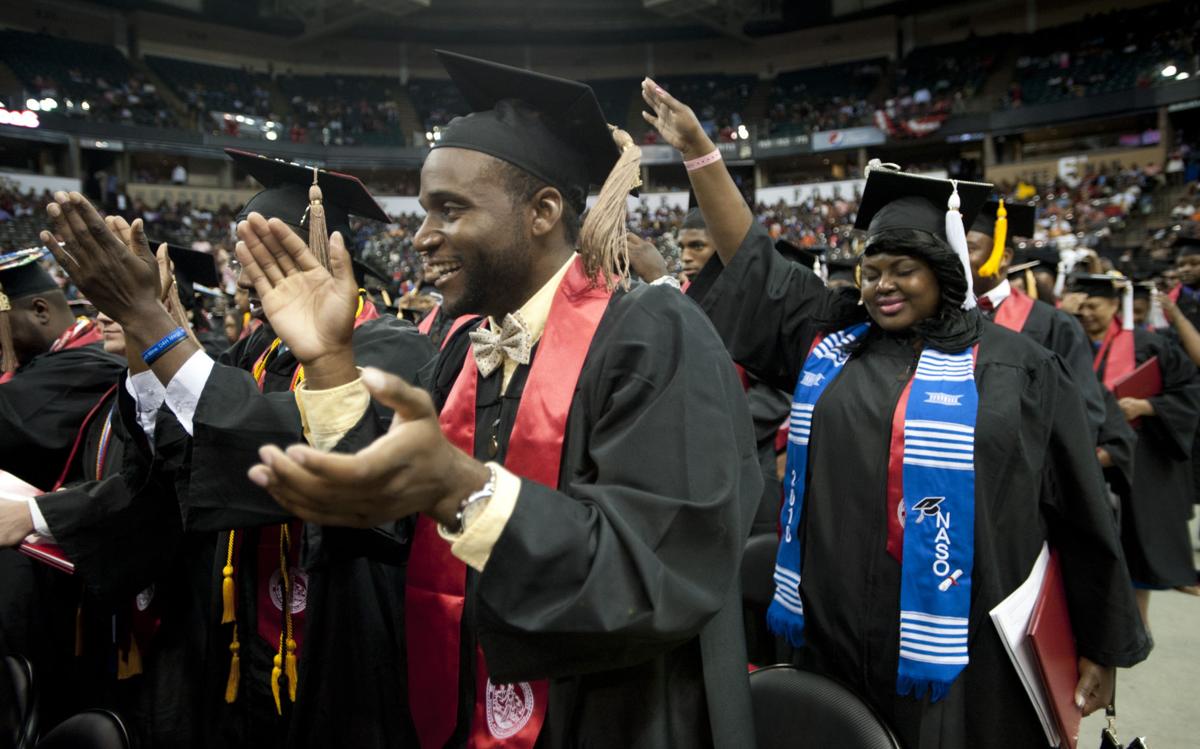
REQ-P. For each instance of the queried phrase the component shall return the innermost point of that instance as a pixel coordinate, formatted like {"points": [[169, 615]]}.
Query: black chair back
{"points": [[23, 712], [91, 729], [794, 709]]}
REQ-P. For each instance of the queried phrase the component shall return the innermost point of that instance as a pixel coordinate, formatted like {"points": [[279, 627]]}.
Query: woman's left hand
{"points": [[1095, 688]]}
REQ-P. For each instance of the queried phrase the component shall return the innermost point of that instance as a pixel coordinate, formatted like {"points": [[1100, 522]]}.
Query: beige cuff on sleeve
{"points": [[327, 415], [474, 545]]}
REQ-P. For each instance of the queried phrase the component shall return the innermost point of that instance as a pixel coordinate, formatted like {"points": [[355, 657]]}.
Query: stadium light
{"points": [[743, 133], [1183, 76], [33, 104], [1169, 71], [86, 106], [49, 104], [272, 135]]}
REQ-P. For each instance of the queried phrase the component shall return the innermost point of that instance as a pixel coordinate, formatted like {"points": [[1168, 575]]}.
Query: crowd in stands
{"points": [[1117, 51], [1089, 210]]}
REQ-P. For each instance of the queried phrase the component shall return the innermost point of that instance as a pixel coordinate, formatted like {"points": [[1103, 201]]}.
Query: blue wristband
{"points": [[167, 343]]}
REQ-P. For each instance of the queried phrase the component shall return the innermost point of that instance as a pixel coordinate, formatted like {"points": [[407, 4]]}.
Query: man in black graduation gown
{"points": [[613, 580], [1051, 328], [351, 649], [54, 374], [1035, 479], [1154, 520]]}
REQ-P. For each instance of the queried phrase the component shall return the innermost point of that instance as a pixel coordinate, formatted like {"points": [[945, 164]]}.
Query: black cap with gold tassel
{"points": [[20, 276]]}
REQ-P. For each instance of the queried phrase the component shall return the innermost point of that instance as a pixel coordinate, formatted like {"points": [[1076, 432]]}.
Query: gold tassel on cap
{"points": [[999, 238], [227, 606], [129, 662], [1030, 284], [235, 669], [8, 353], [602, 239], [318, 236]]}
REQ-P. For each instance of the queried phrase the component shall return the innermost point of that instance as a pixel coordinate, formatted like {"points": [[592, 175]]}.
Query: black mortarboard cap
{"points": [[807, 258], [285, 193], [22, 275], [896, 200], [694, 219], [1101, 285], [191, 268], [1186, 244], [552, 128], [1021, 218]]}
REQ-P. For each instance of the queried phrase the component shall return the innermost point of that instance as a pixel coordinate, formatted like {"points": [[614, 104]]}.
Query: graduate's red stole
{"points": [[1014, 311], [1116, 354], [436, 587]]}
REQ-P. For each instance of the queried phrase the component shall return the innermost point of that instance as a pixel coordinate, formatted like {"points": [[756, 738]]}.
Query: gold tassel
{"points": [[318, 237], [1030, 284], [992, 266], [290, 663], [235, 669], [228, 613], [276, 671], [602, 239], [8, 353], [129, 662]]}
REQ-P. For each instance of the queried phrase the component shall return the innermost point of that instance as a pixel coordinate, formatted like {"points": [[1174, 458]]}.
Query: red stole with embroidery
{"points": [[1014, 311], [508, 715], [1116, 354]]}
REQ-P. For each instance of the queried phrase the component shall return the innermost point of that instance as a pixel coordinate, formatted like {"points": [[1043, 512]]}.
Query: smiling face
{"points": [[899, 291], [1096, 314], [476, 237], [1188, 265]]}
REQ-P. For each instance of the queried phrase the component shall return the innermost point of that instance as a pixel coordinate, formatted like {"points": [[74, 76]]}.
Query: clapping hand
{"points": [[413, 468], [121, 283], [311, 308]]}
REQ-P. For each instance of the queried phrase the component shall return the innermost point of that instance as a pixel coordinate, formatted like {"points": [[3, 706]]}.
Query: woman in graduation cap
{"points": [[1154, 519], [930, 457]]}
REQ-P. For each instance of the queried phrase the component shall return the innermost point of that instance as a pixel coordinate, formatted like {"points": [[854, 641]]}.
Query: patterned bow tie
{"points": [[492, 347]]}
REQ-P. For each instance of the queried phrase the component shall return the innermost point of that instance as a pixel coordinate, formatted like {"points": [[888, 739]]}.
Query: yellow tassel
{"points": [[8, 353], [129, 663], [276, 672], [290, 663], [235, 669], [602, 239], [318, 237], [1030, 284], [992, 266], [227, 611]]}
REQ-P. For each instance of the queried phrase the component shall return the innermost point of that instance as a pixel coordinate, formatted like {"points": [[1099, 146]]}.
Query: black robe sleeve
{"points": [[1120, 442], [640, 546], [233, 420], [122, 531], [1177, 408], [767, 309], [1068, 340], [43, 407], [1104, 616]]}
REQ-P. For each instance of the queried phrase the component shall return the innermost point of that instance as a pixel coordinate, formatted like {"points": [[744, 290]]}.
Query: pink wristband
{"points": [[703, 161]]}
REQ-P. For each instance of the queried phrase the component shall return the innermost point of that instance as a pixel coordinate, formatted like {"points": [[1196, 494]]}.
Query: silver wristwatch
{"points": [[473, 504]]}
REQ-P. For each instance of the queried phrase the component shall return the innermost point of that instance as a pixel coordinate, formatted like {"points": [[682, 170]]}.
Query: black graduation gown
{"points": [[1061, 333], [1190, 308], [637, 618], [42, 409], [769, 407], [1154, 519], [1036, 480], [351, 661], [125, 537]]}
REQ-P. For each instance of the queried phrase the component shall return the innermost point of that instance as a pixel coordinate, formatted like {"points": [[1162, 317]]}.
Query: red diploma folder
{"points": [[1143, 382], [1054, 647], [13, 488]]}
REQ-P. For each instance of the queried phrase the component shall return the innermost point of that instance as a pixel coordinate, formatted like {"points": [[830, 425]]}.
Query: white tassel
{"points": [[1060, 279], [1157, 318], [1127, 307], [956, 233], [819, 269]]}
